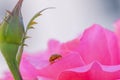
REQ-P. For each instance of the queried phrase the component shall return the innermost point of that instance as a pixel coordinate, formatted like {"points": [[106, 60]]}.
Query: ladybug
{"points": [[54, 57]]}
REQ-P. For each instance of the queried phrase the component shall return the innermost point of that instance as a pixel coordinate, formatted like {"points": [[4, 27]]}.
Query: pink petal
{"points": [[37, 61], [7, 76], [70, 46], [69, 61], [117, 28], [43, 78], [99, 44], [94, 71], [28, 71], [117, 31], [53, 45]]}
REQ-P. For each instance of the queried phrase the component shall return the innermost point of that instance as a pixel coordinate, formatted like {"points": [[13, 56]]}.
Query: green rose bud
{"points": [[11, 36], [12, 28]]}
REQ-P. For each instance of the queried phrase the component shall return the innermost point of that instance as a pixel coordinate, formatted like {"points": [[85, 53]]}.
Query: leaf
{"points": [[10, 13], [31, 27], [32, 22], [26, 37]]}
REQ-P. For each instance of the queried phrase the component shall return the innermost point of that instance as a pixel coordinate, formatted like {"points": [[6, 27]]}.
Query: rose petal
{"points": [[70, 46], [117, 28], [117, 31], [28, 71], [94, 71], [7, 76], [53, 45], [99, 44], [67, 62], [43, 78]]}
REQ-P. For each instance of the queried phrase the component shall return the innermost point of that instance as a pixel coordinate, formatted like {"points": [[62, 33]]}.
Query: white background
{"points": [[63, 23]]}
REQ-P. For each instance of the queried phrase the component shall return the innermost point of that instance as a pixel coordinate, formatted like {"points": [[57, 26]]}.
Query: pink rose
{"points": [[95, 55]]}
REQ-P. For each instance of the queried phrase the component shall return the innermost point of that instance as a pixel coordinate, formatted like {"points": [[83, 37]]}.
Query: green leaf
{"points": [[32, 22], [26, 37]]}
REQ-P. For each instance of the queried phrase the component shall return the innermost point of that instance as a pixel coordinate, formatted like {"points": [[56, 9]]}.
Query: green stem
{"points": [[15, 70], [9, 52], [19, 54]]}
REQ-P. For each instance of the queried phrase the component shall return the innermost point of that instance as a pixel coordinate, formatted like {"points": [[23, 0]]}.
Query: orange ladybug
{"points": [[54, 57]]}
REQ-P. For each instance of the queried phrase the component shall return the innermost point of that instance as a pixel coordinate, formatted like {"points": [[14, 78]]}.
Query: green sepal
{"points": [[11, 37]]}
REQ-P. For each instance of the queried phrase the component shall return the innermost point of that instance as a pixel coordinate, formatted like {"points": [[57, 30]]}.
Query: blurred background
{"points": [[68, 20]]}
